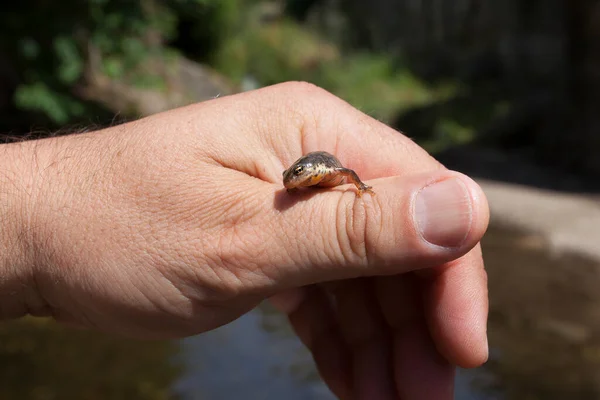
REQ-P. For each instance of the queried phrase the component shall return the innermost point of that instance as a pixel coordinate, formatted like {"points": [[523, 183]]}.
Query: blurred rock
{"points": [[563, 208], [186, 82]]}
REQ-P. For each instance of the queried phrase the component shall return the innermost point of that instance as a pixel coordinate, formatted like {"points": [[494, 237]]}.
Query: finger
{"points": [[415, 357], [456, 307], [276, 125], [416, 361], [361, 142], [314, 321], [367, 335], [412, 223], [309, 118]]}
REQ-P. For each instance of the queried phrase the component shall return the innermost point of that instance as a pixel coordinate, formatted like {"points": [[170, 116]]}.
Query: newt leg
{"points": [[352, 177]]}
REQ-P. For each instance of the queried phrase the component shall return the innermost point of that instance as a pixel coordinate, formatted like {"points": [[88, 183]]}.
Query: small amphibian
{"points": [[322, 169]]}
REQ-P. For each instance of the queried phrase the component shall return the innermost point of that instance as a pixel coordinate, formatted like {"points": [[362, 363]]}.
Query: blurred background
{"points": [[505, 91]]}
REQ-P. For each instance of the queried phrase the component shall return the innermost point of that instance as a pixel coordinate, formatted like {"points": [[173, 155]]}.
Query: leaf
{"points": [[70, 61], [38, 97]]}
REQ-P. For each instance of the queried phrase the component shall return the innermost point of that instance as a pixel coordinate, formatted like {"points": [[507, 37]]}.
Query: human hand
{"points": [[178, 223]]}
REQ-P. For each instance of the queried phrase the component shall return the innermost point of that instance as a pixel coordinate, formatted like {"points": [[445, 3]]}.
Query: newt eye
{"points": [[298, 170]]}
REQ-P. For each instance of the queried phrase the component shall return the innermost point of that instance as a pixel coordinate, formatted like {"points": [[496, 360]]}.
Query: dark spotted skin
{"points": [[322, 169]]}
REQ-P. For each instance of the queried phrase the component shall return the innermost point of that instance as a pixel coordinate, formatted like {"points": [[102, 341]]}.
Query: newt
{"points": [[321, 169]]}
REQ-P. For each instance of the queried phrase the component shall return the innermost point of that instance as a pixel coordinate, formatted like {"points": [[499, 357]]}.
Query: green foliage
{"points": [[53, 45], [122, 32], [204, 30], [39, 97], [371, 83], [49, 45], [285, 51], [70, 65], [273, 53]]}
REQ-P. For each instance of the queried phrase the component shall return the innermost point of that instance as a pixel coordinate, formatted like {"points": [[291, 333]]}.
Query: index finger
{"points": [[362, 143], [276, 125]]}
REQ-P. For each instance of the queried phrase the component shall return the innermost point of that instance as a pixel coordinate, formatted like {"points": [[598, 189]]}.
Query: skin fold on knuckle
{"points": [[358, 229], [292, 109]]}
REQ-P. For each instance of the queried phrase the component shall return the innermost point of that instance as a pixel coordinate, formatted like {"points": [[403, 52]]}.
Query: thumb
{"points": [[412, 222]]}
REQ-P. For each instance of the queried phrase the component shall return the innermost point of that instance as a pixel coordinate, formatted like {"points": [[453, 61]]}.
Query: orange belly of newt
{"points": [[315, 179]]}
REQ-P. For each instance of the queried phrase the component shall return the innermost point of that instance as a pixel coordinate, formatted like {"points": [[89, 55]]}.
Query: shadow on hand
{"points": [[284, 199]]}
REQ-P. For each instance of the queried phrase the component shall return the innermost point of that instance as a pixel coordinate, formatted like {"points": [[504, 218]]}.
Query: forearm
{"points": [[44, 188], [18, 295]]}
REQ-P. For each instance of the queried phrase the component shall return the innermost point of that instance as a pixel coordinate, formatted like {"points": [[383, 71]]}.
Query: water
{"points": [[247, 359], [544, 331], [257, 357]]}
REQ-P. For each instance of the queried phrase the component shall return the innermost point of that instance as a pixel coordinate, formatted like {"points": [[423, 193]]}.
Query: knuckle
{"points": [[358, 229], [304, 88], [291, 105], [308, 96]]}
